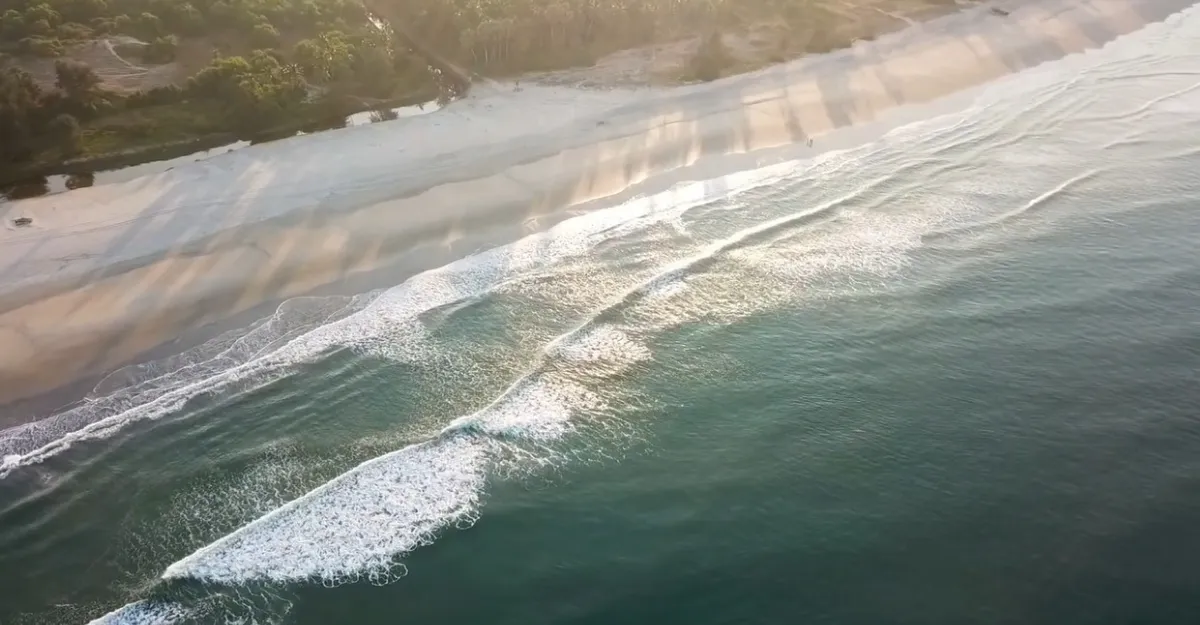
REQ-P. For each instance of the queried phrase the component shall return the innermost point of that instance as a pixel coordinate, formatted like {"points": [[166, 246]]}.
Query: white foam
{"points": [[145, 613], [385, 325], [360, 522], [539, 408], [604, 343], [356, 523]]}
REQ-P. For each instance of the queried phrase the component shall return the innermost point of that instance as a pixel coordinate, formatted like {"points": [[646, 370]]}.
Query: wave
{"points": [[146, 613], [357, 525], [354, 526], [382, 323]]}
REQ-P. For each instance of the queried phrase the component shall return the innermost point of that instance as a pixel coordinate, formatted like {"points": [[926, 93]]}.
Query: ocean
{"points": [[948, 376]]}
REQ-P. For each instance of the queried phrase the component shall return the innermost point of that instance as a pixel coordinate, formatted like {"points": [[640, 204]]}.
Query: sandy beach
{"points": [[104, 274]]}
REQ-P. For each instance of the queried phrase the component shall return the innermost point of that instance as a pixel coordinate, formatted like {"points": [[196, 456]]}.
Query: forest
{"points": [[285, 62]]}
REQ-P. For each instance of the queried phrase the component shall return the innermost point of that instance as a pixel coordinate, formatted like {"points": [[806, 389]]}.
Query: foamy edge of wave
{"points": [[145, 612], [376, 327]]}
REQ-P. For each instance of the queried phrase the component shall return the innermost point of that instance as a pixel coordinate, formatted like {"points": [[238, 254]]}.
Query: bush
{"points": [[123, 24], [66, 132], [103, 26], [39, 28], [41, 46], [12, 25], [154, 97], [73, 31], [148, 25], [264, 35], [711, 58], [161, 50]]}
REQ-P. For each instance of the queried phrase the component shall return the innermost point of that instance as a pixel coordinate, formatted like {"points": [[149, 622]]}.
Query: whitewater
{"points": [[813, 223]]}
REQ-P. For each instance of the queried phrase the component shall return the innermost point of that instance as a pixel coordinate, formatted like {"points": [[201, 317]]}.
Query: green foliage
{"points": [[157, 96], [43, 13], [38, 27], [76, 80], [327, 58], [256, 93], [41, 46], [185, 19], [161, 50], [711, 58], [19, 114], [148, 26], [66, 132], [102, 26], [12, 25], [375, 71], [264, 36], [73, 31]]}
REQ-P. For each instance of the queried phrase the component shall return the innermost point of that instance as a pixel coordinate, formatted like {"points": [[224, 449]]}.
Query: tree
{"points": [[256, 93], [185, 19], [712, 57], [19, 98], [161, 50], [149, 26], [327, 58], [40, 46], [73, 31], [38, 27], [374, 70], [43, 12], [264, 35], [66, 132], [12, 25], [77, 81]]}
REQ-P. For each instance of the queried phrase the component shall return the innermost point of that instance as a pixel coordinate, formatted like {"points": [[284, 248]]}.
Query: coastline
{"points": [[147, 263]]}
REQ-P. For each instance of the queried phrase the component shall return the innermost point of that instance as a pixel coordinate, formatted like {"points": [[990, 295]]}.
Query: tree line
{"points": [[39, 25], [341, 52], [340, 56], [508, 36]]}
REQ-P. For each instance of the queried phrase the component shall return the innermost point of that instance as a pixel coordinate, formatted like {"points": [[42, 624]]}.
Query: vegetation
{"points": [[509, 36], [711, 58], [276, 63], [282, 63]]}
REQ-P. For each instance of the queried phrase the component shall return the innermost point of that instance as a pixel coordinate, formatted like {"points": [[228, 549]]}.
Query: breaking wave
{"points": [[382, 323]]}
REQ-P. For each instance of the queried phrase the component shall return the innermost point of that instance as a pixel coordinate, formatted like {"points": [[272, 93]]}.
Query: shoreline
{"points": [[144, 272]]}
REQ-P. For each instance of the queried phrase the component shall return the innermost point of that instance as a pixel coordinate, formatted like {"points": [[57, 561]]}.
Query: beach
{"points": [[899, 334], [105, 274]]}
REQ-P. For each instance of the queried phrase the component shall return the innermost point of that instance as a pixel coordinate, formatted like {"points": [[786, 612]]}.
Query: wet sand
{"points": [[107, 273]]}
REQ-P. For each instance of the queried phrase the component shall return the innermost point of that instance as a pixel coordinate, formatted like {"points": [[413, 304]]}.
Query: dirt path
{"points": [[116, 73]]}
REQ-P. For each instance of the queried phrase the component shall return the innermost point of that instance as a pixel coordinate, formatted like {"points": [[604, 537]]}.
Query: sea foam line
{"points": [[386, 326], [145, 613], [357, 524]]}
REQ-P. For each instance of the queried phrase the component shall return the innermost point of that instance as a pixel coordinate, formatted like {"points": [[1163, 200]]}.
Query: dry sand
{"points": [[105, 273]]}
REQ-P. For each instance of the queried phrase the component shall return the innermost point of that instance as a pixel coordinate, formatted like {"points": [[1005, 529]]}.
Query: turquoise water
{"points": [[946, 377]]}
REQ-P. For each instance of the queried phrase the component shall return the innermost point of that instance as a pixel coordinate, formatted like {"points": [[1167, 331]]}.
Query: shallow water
{"points": [[945, 377]]}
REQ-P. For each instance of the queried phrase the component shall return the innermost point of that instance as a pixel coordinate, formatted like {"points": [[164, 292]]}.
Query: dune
{"points": [[106, 273]]}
